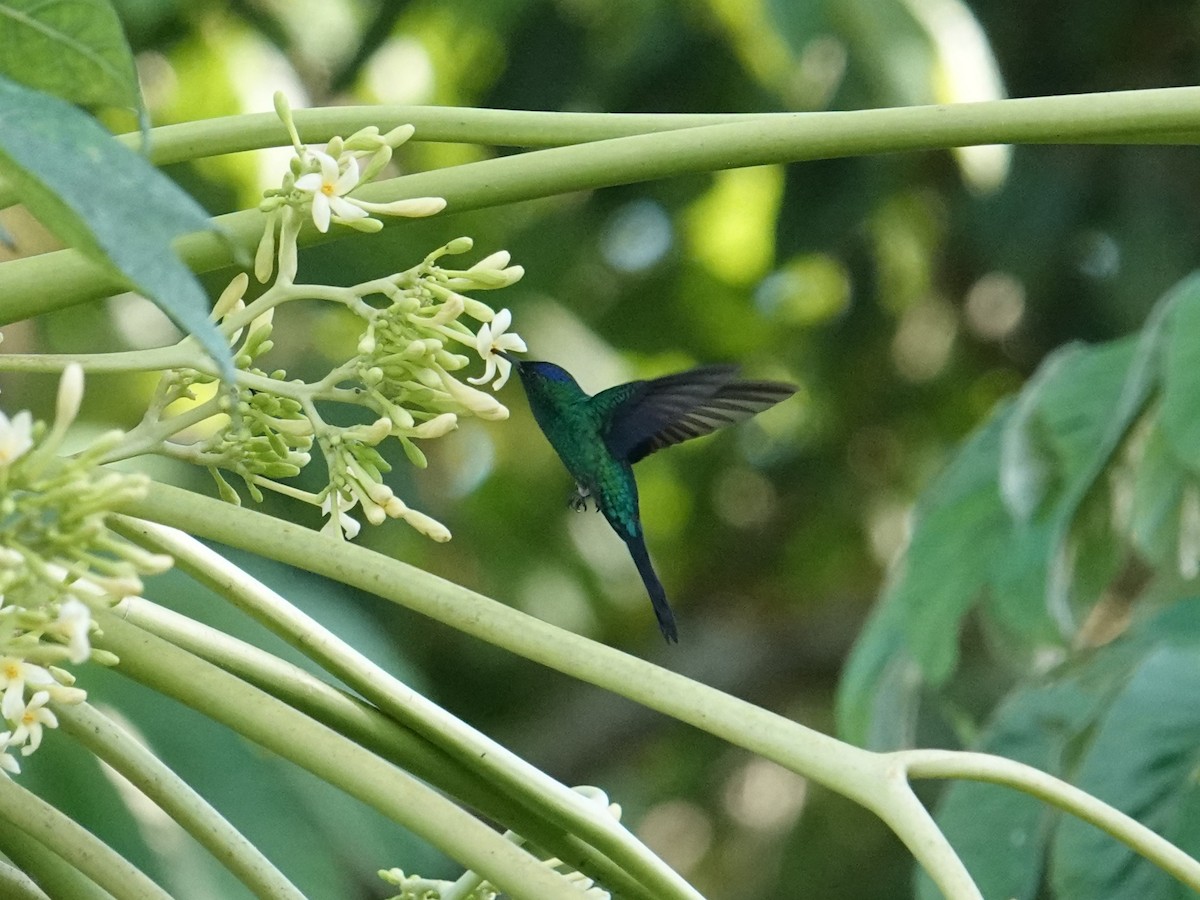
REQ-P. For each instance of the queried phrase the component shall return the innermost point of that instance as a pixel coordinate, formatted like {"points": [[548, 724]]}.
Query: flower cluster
{"points": [[414, 342], [320, 183], [59, 560]]}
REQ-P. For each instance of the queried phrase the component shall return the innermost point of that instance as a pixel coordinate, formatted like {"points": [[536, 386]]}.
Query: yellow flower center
{"points": [[328, 188]]}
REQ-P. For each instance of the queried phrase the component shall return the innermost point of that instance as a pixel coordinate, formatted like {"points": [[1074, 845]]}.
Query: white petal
{"points": [[311, 182], [329, 167], [501, 322], [344, 209], [489, 371], [348, 180], [512, 342], [320, 212], [505, 368], [483, 341]]}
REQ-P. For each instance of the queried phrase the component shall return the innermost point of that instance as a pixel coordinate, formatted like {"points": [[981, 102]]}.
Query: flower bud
{"points": [[436, 427]]}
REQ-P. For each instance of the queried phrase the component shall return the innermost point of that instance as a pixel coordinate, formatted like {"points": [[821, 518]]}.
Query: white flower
{"points": [[491, 342], [349, 525], [15, 673], [74, 622], [8, 763], [16, 436], [328, 188], [34, 717]]}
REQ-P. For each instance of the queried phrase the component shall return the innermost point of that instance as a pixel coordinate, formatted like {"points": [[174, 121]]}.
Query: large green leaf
{"points": [[1158, 488], [1000, 833], [879, 691], [1181, 375], [74, 49], [1142, 760], [960, 526], [107, 202], [1003, 835]]}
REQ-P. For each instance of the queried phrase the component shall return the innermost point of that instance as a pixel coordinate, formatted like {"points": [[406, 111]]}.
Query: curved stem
{"points": [[367, 726], [861, 775], [53, 280], [29, 813], [874, 780], [115, 746], [49, 871], [16, 885], [570, 811], [283, 730], [1067, 797]]}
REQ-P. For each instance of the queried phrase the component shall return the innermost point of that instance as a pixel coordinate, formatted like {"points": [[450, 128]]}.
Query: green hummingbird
{"points": [[600, 437]]}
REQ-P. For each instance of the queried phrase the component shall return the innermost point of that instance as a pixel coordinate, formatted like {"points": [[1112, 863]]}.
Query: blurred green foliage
{"points": [[906, 295]]}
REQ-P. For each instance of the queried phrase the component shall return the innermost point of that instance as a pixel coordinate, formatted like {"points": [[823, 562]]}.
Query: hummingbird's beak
{"points": [[512, 359]]}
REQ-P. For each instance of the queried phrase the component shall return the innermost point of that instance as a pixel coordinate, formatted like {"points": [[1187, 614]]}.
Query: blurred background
{"points": [[904, 294]]}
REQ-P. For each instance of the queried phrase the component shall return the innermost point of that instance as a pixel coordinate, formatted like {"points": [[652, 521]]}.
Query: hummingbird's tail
{"points": [[658, 594]]}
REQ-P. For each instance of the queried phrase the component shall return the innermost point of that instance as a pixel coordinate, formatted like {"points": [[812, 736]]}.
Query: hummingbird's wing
{"points": [[644, 416]]}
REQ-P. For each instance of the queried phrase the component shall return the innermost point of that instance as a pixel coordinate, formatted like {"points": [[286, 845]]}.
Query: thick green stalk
{"points": [[54, 280], [29, 813], [119, 749], [855, 773], [16, 885], [368, 727], [329, 756], [472, 749], [49, 871]]}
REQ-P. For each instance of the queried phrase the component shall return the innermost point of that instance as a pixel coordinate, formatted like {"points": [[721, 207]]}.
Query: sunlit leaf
{"points": [[107, 202], [74, 49]]}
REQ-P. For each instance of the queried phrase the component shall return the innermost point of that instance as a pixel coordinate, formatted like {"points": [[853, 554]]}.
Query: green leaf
{"points": [[1001, 833], [1100, 395], [1181, 375], [1026, 463], [960, 527], [107, 202], [879, 691], [1158, 490], [1143, 761], [74, 49]]}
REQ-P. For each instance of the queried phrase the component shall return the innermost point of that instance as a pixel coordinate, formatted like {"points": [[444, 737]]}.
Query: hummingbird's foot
{"points": [[578, 501]]}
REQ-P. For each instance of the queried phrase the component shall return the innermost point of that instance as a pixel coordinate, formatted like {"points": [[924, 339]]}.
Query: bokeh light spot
{"points": [[637, 236]]}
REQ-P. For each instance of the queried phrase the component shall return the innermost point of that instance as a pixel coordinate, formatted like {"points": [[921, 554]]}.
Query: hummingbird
{"points": [[600, 437]]}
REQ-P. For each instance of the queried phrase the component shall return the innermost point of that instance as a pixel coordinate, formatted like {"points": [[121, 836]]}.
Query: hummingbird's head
{"points": [[532, 370]]}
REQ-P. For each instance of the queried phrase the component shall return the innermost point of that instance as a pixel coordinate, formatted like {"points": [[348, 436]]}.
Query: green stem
{"points": [[16, 885], [29, 813], [178, 356], [490, 127], [49, 871], [150, 434], [49, 281], [472, 749], [367, 726], [281, 729], [115, 746], [855, 773], [1067, 797]]}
